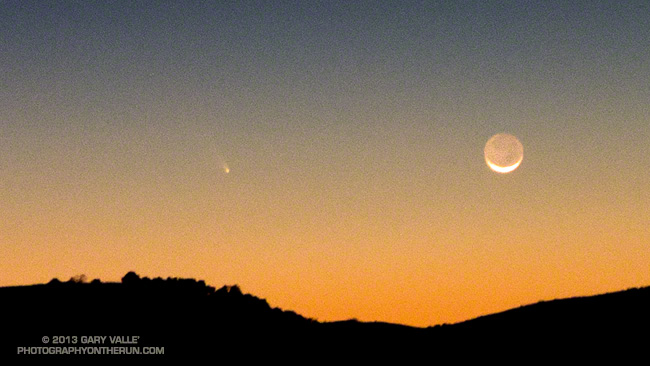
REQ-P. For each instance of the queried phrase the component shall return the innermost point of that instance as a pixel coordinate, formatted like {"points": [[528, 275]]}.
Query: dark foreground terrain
{"points": [[186, 319]]}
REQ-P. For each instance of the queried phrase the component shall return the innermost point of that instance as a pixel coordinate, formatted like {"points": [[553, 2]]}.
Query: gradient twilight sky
{"points": [[354, 135]]}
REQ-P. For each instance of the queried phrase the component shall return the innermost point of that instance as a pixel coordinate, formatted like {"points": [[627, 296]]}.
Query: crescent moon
{"points": [[504, 169]]}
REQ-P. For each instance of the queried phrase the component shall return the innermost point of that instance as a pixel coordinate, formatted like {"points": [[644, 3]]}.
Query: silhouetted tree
{"points": [[235, 290], [130, 278], [223, 291], [78, 279]]}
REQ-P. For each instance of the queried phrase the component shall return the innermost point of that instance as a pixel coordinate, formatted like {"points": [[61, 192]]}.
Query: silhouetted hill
{"points": [[183, 315], [189, 318], [607, 319]]}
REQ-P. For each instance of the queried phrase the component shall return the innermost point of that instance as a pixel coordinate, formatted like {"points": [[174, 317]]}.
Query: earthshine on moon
{"points": [[503, 153]]}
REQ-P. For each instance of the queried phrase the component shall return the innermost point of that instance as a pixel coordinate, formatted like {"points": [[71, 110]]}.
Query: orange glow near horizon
{"points": [[409, 269]]}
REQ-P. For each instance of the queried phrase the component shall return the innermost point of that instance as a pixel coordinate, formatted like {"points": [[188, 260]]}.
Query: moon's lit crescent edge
{"points": [[503, 169]]}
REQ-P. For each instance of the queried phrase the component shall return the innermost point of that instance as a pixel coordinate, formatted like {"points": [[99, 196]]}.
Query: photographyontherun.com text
{"points": [[90, 345]]}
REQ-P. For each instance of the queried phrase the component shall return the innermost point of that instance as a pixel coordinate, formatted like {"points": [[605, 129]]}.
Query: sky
{"points": [[328, 156]]}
